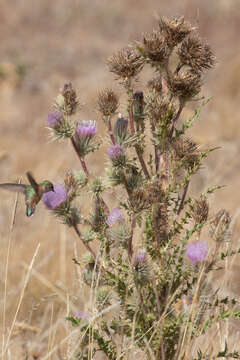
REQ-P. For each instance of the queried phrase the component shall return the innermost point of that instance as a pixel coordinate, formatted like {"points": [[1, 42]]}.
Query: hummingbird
{"points": [[33, 192]]}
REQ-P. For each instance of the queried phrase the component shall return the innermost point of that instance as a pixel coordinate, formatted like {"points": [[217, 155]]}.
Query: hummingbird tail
{"points": [[29, 211]]}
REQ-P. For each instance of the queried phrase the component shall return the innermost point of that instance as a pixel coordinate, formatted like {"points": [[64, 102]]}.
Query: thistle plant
{"points": [[149, 259]]}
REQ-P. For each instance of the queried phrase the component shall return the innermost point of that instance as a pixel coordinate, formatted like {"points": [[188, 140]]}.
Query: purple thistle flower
{"points": [[54, 119], [115, 151], [141, 257], [82, 315], [197, 251], [87, 128], [115, 216], [53, 199]]}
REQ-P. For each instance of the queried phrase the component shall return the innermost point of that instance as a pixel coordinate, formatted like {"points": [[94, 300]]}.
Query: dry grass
{"points": [[59, 41]]}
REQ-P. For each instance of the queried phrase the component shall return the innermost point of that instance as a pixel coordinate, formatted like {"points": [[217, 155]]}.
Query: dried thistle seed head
{"points": [[200, 210], [70, 99], [107, 102], [155, 47], [186, 150], [140, 200], [220, 225], [160, 109], [185, 85], [194, 53], [174, 30], [155, 84], [98, 217], [71, 184], [126, 63], [154, 192]]}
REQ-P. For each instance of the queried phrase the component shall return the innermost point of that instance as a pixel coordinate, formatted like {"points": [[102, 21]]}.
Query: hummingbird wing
{"points": [[14, 187], [33, 182]]}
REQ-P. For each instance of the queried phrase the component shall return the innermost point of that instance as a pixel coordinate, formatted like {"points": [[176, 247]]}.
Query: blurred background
{"points": [[43, 45]]}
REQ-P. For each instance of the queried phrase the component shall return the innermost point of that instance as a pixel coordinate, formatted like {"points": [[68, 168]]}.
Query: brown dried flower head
{"points": [[126, 63], [220, 225], [71, 184], [186, 151], [107, 102], [140, 200], [155, 47], [185, 85], [200, 210], [174, 30], [196, 54], [160, 109], [155, 84], [70, 99]]}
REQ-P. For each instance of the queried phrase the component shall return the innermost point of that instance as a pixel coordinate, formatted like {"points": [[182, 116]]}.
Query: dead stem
{"points": [[181, 206]]}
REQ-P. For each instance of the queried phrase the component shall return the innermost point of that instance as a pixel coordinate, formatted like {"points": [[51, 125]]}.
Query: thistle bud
{"points": [[121, 129], [138, 109]]}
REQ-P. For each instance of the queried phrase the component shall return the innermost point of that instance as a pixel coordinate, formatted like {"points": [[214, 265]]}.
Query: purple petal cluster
{"points": [[197, 251], [115, 216], [82, 315], [86, 129], [53, 199], [115, 151], [141, 256], [54, 119]]}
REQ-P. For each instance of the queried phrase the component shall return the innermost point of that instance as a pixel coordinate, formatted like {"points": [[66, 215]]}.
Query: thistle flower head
{"points": [[83, 137], [117, 155], [114, 217], [174, 31], [87, 128], [196, 54], [82, 315], [155, 48], [54, 119], [107, 102], [53, 199], [126, 63], [141, 267], [140, 257], [185, 85], [197, 251]]}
